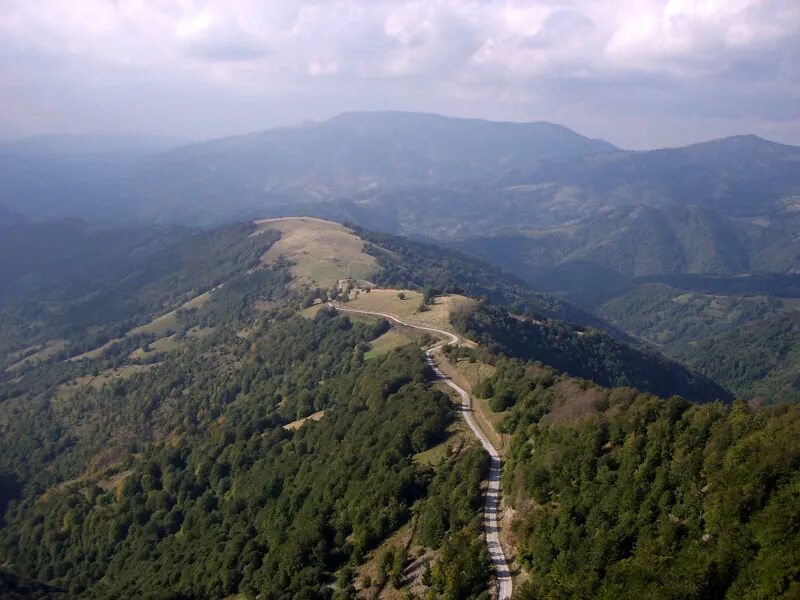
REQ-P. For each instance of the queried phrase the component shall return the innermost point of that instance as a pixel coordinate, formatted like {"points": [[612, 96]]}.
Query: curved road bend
{"points": [[492, 506]]}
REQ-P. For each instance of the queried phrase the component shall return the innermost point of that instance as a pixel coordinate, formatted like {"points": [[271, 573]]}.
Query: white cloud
{"points": [[592, 64]]}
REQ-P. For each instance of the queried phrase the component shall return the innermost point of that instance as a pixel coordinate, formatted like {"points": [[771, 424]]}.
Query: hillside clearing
{"points": [[170, 321], [407, 308], [396, 337], [457, 436], [47, 351], [322, 252], [163, 326], [104, 377], [299, 422]]}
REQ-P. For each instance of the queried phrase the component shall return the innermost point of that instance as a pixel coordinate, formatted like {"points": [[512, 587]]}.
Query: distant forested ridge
{"points": [[758, 360]]}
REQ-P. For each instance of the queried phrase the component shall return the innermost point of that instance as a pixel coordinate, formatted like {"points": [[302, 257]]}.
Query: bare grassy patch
{"points": [[475, 372], [575, 402], [164, 326], [170, 322], [322, 252], [104, 377], [299, 422], [396, 337], [457, 436], [36, 356], [407, 308]]}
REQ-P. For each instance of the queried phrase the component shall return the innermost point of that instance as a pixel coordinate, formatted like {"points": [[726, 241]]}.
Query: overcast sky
{"points": [[638, 73]]}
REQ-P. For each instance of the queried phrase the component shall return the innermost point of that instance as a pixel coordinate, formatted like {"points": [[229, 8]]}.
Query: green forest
{"points": [[586, 353], [621, 494], [251, 448], [226, 500]]}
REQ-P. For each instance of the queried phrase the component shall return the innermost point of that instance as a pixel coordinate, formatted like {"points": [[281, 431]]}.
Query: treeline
{"points": [[624, 495], [89, 312], [590, 354], [410, 264]]}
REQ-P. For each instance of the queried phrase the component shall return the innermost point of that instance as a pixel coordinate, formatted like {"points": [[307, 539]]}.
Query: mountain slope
{"points": [[190, 469], [738, 176], [758, 360], [244, 176], [620, 495], [616, 246], [592, 355]]}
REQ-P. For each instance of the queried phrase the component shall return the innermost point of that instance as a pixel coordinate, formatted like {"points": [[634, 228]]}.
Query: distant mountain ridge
{"points": [[411, 173], [643, 241], [247, 175]]}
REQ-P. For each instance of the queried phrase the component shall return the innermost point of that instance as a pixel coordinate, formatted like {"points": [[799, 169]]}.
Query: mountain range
{"points": [[730, 205], [572, 216]]}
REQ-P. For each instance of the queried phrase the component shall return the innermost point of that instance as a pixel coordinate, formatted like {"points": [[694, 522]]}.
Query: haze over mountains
{"points": [[409, 173], [574, 216], [228, 410], [221, 179]]}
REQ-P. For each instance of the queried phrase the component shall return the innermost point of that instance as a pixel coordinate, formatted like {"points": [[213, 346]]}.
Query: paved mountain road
{"points": [[492, 505]]}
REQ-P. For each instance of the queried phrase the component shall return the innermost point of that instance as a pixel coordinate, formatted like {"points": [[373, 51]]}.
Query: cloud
{"points": [[217, 37], [636, 72]]}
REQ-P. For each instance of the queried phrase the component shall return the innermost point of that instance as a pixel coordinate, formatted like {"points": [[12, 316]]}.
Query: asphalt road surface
{"points": [[491, 507]]}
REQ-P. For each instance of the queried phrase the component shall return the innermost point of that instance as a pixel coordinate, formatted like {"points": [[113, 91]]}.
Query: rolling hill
{"points": [[239, 437]]}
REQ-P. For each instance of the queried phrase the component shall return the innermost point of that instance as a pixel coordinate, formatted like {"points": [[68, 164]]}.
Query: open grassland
{"points": [[322, 252], [458, 435], [163, 326], [311, 311], [35, 356], [389, 301], [396, 337], [169, 343], [96, 382], [475, 372], [168, 322]]}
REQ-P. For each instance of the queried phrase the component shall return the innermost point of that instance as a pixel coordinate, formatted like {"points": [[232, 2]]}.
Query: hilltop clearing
{"points": [[321, 252], [409, 306]]}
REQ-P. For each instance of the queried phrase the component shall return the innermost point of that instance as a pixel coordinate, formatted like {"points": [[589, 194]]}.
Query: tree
{"points": [[399, 561]]}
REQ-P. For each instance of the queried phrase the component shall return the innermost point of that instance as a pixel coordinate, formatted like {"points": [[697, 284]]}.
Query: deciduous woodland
{"points": [[212, 429]]}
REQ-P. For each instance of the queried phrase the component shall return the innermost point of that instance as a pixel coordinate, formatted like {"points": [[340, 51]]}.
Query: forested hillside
{"points": [[217, 497], [759, 360], [58, 297], [620, 494], [205, 426], [589, 354]]}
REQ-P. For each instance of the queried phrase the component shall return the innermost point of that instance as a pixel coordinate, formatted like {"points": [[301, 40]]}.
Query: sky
{"points": [[639, 73]]}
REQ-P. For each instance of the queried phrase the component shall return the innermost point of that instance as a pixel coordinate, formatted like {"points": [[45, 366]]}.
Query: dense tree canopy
{"points": [[625, 495]]}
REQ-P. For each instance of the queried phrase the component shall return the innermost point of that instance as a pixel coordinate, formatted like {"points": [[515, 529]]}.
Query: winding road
{"points": [[491, 507]]}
